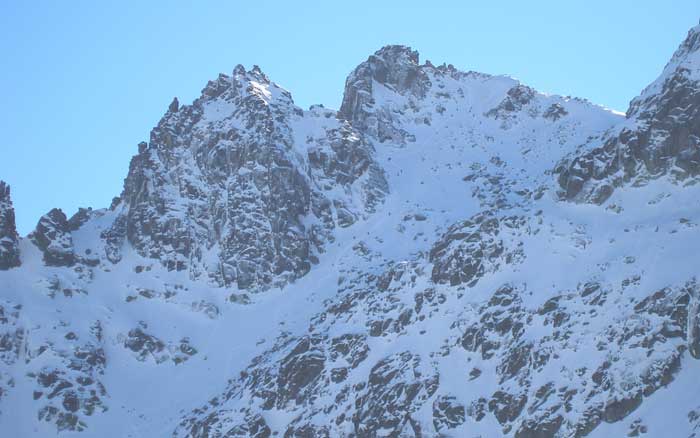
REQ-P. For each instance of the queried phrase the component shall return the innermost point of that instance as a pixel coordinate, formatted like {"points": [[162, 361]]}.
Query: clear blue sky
{"points": [[82, 82]]}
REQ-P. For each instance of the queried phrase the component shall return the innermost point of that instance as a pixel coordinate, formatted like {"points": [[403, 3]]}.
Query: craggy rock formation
{"points": [[243, 187], [661, 136], [9, 240], [394, 67], [407, 267], [52, 236]]}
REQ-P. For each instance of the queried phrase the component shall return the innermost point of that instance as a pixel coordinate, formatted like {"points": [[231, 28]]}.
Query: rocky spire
{"points": [[174, 105], [395, 67], [9, 240]]}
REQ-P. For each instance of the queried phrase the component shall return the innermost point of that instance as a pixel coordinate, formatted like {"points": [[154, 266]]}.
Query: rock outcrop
{"points": [[53, 237], [393, 67], [9, 239], [259, 275], [661, 136], [244, 188]]}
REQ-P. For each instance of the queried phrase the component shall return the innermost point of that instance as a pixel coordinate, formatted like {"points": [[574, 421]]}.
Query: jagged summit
{"points": [[236, 187], [392, 89], [683, 67], [393, 66], [407, 267], [9, 239], [661, 137]]}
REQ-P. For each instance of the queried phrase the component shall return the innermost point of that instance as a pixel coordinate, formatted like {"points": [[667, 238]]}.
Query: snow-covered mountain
{"points": [[450, 254]]}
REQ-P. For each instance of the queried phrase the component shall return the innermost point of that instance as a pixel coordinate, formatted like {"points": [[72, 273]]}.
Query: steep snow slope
{"points": [[405, 267]]}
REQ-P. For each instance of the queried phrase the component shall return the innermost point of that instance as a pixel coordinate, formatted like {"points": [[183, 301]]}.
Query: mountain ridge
{"points": [[449, 253]]}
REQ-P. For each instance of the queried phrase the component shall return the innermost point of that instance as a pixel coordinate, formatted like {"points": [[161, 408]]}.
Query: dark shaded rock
{"points": [[516, 99], [616, 410], [395, 67], [637, 428], [307, 431], [352, 347], [237, 184], [394, 390], [506, 407], [665, 139], [72, 391], [301, 368], [79, 218], [555, 112], [470, 249], [253, 426], [541, 428], [52, 236], [9, 239], [448, 413], [693, 322], [174, 105], [143, 344]]}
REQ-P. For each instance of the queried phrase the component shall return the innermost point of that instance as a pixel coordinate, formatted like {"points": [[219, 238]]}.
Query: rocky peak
{"points": [[53, 237], [174, 105], [395, 67], [682, 69], [660, 138], [430, 316], [9, 240], [245, 174]]}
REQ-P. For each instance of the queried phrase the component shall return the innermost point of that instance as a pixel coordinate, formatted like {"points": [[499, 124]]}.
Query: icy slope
{"points": [[406, 267]]}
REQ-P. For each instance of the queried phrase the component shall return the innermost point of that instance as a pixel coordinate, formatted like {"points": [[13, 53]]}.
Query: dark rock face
{"points": [[79, 218], [52, 236], [661, 138], [694, 420], [693, 324], [239, 186], [395, 389], [9, 240], [447, 413], [12, 339], [501, 335], [555, 112], [253, 426], [301, 368], [71, 391], [395, 67], [143, 344], [147, 346], [471, 248], [516, 99]]}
